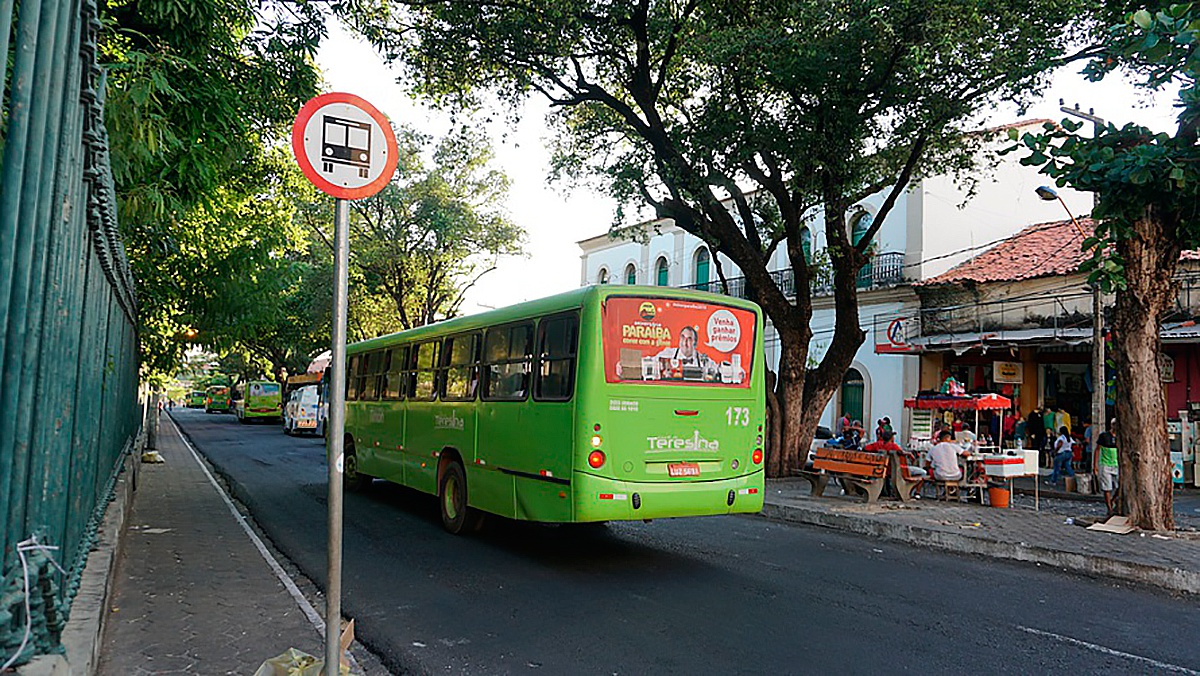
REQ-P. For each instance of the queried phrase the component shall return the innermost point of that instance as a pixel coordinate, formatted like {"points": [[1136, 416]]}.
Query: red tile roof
{"points": [[1040, 250]]}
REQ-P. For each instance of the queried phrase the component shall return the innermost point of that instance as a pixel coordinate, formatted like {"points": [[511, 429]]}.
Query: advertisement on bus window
{"points": [[677, 342]]}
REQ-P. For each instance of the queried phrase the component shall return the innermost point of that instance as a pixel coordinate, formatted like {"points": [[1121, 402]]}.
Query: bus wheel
{"points": [[352, 479], [457, 517]]}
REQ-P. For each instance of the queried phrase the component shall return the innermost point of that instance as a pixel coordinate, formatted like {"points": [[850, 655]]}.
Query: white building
{"points": [[933, 226]]}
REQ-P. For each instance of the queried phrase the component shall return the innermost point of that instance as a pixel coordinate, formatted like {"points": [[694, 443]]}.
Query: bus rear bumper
{"points": [[601, 499]]}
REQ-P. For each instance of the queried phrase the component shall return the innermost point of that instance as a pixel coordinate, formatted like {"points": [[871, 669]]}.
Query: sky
{"points": [[555, 217]]}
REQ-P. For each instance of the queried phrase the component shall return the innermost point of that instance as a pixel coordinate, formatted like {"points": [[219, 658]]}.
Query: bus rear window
{"points": [[677, 342], [264, 389]]}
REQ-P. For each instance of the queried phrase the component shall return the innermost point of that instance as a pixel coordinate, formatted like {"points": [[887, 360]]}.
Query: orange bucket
{"points": [[998, 497]]}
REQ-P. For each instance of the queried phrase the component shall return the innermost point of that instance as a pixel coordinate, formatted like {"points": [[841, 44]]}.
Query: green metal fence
{"points": [[68, 339]]}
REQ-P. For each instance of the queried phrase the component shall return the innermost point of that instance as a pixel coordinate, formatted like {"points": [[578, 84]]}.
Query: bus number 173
{"points": [[736, 415]]}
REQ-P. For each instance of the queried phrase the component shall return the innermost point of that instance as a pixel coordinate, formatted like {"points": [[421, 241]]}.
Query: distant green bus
{"points": [[195, 399], [216, 398], [257, 399], [604, 403]]}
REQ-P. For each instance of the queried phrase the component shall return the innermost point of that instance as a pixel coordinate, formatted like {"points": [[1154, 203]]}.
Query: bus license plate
{"points": [[306, 423], [683, 469]]}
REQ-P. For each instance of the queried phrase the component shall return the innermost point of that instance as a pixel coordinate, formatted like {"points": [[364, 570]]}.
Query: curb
{"points": [[1173, 579]]}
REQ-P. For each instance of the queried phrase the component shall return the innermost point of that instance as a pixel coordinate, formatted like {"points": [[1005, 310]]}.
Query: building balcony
{"points": [[885, 270]]}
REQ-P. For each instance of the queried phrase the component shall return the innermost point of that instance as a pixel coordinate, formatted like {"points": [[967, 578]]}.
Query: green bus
{"points": [[257, 399], [195, 399], [216, 398], [600, 404]]}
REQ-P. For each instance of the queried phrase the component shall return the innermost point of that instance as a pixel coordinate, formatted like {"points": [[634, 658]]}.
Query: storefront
{"points": [[1056, 375]]}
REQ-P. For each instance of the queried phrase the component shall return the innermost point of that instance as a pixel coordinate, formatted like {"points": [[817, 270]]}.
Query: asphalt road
{"points": [[697, 596]]}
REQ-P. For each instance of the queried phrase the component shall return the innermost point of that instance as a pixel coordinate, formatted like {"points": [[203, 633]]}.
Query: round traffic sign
{"points": [[344, 145]]}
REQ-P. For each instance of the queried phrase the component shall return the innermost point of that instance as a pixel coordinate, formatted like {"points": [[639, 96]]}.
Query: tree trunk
{"points": [[1145, 469], [773, 439], [789, 391]]}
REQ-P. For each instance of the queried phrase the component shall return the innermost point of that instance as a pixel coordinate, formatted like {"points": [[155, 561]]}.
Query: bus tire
{"points": [[457, 516], [353, 480]]}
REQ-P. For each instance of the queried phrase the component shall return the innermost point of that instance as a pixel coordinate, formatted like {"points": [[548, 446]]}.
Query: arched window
{"points": [[602, 276], [806, 244], [858, 228], [852, 395], [630, 274], [662, 276], [701, 268]]}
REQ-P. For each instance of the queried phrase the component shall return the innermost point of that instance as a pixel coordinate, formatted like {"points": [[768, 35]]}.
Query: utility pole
{"points": [[1099, 419]]}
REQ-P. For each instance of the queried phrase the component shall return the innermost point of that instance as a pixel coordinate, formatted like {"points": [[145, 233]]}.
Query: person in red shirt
{"points": [[885, 444]]}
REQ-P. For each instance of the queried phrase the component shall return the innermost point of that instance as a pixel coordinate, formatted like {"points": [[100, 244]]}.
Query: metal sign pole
{"points": [[337, 440], [345, 170]]}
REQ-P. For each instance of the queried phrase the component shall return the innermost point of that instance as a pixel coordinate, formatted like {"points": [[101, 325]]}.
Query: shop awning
{"points": [[942, 402]]}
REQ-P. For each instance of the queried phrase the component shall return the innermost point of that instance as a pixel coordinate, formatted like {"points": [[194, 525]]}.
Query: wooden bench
{"points": [[903, 480], [859, 471]]}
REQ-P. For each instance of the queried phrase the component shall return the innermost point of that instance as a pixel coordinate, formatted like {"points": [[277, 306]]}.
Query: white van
{"points": [[303, 412]]}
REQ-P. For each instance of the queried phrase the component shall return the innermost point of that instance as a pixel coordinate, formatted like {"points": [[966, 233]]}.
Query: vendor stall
{"points": [[991, 458]]}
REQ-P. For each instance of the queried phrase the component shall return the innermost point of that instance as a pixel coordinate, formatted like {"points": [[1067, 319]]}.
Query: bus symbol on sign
{"points": [[345, 142], [344, 145]]}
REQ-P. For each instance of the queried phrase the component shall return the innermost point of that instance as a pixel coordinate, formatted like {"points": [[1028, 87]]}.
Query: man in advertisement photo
{"points": [[690, 362]]}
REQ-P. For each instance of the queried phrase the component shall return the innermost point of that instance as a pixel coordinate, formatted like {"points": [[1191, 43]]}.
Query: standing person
{"points": [[1035, 429], [1062, 456], [1106, 470], [1089, 442], [1048, 420], [843, 425], [1062, 419]]}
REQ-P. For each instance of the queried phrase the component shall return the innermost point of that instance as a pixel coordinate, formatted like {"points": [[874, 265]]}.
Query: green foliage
{"points": [[428, 237], [1135, 173], [744, 120], [199, 94]]}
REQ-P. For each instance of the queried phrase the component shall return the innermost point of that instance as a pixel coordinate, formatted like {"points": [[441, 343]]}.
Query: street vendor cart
{"points": [[993, 460]]}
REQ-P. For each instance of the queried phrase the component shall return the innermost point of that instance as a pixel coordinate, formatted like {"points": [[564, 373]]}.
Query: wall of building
{"points": [[1003, 204], [1029, 303]]}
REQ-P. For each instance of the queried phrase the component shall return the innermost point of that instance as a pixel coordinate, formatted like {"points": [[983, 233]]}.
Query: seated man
{"points": [[943, 458]]}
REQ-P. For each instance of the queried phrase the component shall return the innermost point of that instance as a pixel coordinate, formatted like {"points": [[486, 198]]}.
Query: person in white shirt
{"points": [[1064, 453], [943, 458], [966, 438]]}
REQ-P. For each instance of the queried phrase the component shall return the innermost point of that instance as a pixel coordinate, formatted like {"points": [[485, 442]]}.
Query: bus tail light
{"points": [[756, 456], [596, 441], [596, 459]]}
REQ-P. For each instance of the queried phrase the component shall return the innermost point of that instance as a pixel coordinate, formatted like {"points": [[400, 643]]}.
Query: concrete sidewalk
{"points": [[1048, 537], [192, 592]]}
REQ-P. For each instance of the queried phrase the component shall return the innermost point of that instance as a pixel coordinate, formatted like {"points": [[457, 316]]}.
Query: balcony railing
{"points": [[885, 270]]}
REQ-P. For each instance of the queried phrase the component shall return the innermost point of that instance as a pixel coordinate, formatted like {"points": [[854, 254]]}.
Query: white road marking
{"points": [[1109, 651]]}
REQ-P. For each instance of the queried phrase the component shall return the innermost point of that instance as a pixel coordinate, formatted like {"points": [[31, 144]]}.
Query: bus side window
{"points": [[460, 357], [352, 378], [394, 389], [366, 378], [507, 355], [424, 378], [382, 366], [557, 338]]}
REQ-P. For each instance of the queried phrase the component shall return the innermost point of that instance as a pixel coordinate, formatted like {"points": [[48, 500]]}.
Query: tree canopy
{"points": [[1147, 188], [745, 121], [419, 245], [199, 94]]}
